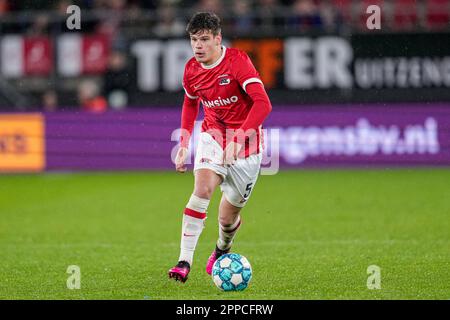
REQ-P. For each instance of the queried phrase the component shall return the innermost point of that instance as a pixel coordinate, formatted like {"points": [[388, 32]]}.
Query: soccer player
{"points": [[229, 150]]}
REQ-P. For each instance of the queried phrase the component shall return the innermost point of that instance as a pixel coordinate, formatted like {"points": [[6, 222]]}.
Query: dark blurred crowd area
{"points": [[168, 17], [125, 20]]}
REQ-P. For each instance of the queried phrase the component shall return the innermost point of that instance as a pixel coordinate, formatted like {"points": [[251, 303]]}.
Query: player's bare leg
{"points": [[206, 181], [229, 223]]}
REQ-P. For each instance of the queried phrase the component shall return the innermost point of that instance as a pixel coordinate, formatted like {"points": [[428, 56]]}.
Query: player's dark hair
{"points": [[207, 21]]}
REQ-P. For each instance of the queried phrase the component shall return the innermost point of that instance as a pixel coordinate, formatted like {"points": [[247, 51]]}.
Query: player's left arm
{"points": [[251, 83], [258, 113], [260, 109]]}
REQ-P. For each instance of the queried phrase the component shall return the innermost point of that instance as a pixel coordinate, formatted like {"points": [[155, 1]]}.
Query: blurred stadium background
{"points": [[107, 97], [312, 56]]}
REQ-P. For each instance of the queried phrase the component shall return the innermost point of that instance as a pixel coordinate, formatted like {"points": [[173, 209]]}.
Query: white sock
{"points": [[193, 223], [227, 234]]}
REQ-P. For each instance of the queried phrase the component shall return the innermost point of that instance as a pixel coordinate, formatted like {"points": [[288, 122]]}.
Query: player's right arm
{"points": [[188, 115]]}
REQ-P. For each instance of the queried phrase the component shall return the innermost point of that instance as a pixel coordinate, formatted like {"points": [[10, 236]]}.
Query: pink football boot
{"points": [[180, 271], [213, 257]]}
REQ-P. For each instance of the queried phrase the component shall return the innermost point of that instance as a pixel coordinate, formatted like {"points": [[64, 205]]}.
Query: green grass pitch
{"points": [[308, 235]]}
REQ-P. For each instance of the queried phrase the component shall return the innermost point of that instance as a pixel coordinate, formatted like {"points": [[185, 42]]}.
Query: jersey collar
{"points": [[215, 64]]}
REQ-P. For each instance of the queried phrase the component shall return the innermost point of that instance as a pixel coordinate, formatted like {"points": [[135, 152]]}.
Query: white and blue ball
{"points": [[232, 272]]}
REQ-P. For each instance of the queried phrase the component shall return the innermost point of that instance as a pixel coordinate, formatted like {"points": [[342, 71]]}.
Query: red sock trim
{"points": [[195, 214]]}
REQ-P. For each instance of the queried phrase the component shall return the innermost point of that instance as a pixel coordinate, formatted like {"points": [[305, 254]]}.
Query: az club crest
{"points": [[224, 81]]}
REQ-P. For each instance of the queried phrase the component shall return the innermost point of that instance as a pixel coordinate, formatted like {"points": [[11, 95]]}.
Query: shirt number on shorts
{"points": [[249, 189]]}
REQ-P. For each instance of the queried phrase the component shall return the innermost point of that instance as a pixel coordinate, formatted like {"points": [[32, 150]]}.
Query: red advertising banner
{"points": [[95, 51], [24, 56], [38, 56]]}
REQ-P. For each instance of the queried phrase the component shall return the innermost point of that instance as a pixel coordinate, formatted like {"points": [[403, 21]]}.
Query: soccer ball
{"points": [[232, 272]]}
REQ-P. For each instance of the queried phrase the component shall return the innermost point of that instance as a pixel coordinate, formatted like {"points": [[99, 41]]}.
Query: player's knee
{"points": [[228, 221], [203, 191]]}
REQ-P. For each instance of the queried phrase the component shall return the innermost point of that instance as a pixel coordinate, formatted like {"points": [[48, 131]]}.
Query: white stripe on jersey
{"points": [[251, 80], [189, 96]]}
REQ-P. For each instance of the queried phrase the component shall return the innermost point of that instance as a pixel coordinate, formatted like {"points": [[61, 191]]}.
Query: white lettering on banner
{"points": [[298, 63], [11, 52], [402, 72], [321, 63], [70, 62], [298, 143], [176, 54], [333, 58], [172, 55], [147, 53], [324, 62]]}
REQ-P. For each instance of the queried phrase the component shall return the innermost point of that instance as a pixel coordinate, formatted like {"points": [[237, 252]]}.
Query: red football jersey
{"points": [[221, 90]]}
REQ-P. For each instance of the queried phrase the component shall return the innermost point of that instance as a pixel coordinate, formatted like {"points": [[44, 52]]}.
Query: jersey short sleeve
{"points": [[186, 86], [244, 71]]}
